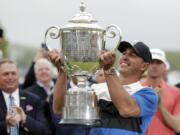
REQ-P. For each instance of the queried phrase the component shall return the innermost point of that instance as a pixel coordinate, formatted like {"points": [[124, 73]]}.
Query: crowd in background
{"points": [[34, 111]]}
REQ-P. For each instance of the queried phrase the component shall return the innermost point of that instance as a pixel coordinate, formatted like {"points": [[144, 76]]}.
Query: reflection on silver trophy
{"points": [[80, 41]]}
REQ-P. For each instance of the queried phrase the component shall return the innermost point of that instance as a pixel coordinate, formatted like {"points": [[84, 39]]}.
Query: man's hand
{"points": [[20, 116], [106, 59], [159, 91], [10, 121], [56, 58]]}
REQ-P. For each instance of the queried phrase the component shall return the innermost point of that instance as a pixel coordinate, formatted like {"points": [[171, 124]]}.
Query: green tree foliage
{"points": [[4, 47], [174, 59]]}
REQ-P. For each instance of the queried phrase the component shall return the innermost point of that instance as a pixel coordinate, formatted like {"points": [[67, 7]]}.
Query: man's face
{"points": [[156, 68], [130, 62], [9, 77], [43, 73]]}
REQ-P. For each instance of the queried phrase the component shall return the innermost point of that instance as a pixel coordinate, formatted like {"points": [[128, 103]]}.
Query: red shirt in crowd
{"points": [[171, 101]]}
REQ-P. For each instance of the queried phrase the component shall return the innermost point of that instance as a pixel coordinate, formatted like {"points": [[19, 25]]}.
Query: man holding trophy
{"points": [[122, 106], [129, 107]]}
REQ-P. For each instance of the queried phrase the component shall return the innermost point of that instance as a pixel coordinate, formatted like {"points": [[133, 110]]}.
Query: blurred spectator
{"points": [[97, 77], [100, 78], [43, 87], [72, 82], [30, 78], [20, 111], [165, 75], [44, 81], [167, 120]]}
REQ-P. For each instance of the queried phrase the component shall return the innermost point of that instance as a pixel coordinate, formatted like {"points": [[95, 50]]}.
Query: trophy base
{"points": [[80, 122]]}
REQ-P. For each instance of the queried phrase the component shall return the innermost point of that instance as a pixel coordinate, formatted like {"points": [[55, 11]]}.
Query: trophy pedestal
{"points": [[84, 125], [80, 108], [80, 122]]}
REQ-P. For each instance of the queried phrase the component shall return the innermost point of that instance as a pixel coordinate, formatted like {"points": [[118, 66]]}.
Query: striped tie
{"points": [[12, 130]]}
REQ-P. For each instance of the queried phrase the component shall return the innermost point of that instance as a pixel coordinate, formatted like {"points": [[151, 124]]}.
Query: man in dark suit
{"points": [[43, 88], [44, 83], [28, 117]]}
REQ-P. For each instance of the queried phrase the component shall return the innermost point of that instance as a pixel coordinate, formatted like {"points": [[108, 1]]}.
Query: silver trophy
{"points": [[80, 41]]}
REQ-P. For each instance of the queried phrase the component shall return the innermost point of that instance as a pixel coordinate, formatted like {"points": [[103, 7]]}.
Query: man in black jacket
{"points": [[43, 88]]}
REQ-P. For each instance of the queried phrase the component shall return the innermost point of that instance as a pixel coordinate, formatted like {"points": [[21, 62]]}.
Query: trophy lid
{"points": [[83, 20]]}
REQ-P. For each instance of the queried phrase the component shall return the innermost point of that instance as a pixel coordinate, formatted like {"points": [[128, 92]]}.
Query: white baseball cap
{"points": [[158, 54]]}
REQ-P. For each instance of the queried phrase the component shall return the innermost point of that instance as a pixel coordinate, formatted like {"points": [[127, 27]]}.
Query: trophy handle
{"points": [[113, 31], [53, 32]]}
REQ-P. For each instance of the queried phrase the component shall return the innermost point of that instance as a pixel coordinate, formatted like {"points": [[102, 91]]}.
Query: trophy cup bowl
{"points": [[80, 41]]}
